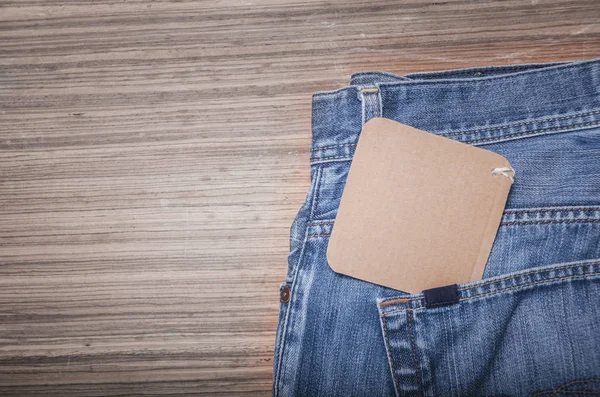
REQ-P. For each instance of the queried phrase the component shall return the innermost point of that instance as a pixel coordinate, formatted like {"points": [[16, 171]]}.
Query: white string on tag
{"points": [[505, 171]]}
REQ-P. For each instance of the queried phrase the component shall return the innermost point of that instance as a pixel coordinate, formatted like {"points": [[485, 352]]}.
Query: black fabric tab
{"points": [[441, 296]]}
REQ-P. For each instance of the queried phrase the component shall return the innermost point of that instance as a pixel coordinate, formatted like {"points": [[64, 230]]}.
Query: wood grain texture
{"points": [[153, 155]]}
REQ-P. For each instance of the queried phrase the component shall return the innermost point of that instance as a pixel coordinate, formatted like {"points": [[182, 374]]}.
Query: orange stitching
{"points": [[560, 388], [529, 273], [564, 209], [516, 211], [529, 284], [511, 223], [391, 302], [534, 132], [509, 125], [498, 138], [541, 222]]}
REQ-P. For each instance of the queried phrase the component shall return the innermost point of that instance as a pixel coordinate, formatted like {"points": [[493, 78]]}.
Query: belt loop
{"points": [[371, 102]]}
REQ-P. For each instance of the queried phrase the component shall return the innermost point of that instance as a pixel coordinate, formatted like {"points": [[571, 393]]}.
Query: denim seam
{"points": [[379, 102], [517, 75], [531, 73], [529, 274], [331, 147], [330, 158], [277, 376], [520, 124], [315, 197], [498, 291], [501, 138], [329, 93], [363, 107], [279, 333], [558, 209], [389, 354], [414, 350], [282, 344], [468, 71], [319, 223], [549, 221], [368, 72], [574, 276], [502, 127], [524, 67], [561, 388], [509, 211], [511, 223], [534, 132], [579, 264]]}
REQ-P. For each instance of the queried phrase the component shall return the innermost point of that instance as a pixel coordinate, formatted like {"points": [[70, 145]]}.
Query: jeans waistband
{"points": [[476, 106]]}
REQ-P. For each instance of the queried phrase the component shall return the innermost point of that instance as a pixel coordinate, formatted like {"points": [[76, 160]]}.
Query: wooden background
{"points": [[153, 155]]}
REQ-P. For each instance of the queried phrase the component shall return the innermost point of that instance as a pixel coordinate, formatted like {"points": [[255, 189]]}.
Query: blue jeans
{"points": [[531, 326]]}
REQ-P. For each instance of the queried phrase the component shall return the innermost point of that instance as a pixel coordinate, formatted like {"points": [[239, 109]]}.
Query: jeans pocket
{"points": [[510, 335]]}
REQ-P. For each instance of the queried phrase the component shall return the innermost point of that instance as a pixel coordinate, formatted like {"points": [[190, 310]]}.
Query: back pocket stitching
{"points": [[575, 276], [541, 222], [561, 389], [516, 287], [579, 264]]}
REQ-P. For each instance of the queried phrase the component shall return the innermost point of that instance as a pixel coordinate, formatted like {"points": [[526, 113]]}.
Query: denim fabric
{"points": [[531, 326]]}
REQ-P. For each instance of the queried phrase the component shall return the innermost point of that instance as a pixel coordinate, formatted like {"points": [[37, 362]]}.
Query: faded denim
{"points": [[531, 326]]}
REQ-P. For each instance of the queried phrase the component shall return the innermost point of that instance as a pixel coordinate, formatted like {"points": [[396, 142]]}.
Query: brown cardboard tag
{"points": [[418, 210]]}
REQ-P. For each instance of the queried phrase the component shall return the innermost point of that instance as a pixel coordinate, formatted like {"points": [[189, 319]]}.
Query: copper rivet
{"points": [[285, 294]]}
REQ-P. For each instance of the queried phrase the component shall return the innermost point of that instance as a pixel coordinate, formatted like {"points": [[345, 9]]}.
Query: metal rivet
{"points": [[284, 294]]}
